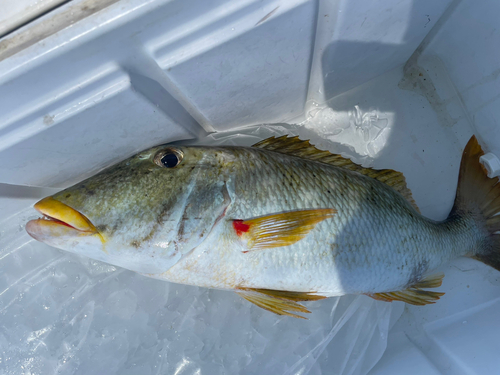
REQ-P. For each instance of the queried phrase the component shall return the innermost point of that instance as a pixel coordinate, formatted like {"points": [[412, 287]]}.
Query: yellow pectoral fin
{"points": [[277, 301], [414, 295], [281, 229]]}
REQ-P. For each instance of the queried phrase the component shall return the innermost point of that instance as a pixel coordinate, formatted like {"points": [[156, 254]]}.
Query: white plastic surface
{"points": [[491, 163], [392, 84], [14, 13]]}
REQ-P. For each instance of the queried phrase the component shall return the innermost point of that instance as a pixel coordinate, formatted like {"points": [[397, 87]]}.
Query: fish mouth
{"points": [[58, 219]]}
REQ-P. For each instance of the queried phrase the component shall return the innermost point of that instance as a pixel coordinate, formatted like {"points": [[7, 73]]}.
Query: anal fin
{"points": [[414, 295], [278, 301]]}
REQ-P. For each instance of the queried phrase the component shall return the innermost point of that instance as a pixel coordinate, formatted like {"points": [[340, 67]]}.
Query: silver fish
{"points": [[280, 222]]}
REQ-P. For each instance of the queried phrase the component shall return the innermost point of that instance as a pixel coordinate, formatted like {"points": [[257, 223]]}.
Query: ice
{"points": [[366, 131], [65, 314]]}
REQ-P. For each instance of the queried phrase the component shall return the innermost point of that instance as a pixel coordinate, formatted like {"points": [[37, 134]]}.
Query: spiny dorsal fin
{"points": [[280, 229], [414, 295], [303, 149], [278, 301]]}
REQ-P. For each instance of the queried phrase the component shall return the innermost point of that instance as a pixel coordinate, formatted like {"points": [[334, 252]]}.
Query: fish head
{"points": [[144, 213]]}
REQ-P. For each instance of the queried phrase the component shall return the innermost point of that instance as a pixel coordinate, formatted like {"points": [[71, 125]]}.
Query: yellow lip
{"points": [[60, 214], [60, 221]]}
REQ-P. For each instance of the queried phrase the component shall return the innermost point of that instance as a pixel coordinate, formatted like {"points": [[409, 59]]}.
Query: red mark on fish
{"points": [[240, 227]]}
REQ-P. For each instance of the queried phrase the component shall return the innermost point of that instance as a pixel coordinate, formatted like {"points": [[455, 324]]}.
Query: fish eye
{"points": [[169, 158]]}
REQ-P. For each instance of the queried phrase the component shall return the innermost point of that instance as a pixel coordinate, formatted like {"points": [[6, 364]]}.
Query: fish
{"points": [[279, 223]]}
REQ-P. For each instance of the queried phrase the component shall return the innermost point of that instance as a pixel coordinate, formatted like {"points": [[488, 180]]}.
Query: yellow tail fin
{"points": [[479, 196]]}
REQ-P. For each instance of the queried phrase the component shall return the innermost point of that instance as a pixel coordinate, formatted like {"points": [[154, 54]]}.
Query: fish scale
{"points": [[278, 223], [353, 246]]}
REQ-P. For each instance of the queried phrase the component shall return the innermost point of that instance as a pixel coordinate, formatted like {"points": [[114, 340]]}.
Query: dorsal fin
{"points": [[303, 149]]}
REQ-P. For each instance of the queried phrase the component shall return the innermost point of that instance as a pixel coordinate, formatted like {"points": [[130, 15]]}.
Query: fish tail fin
{"points": [[479, 196]]}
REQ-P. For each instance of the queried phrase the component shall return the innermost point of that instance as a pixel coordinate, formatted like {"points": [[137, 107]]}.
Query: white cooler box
{"points": [[389, 84]]}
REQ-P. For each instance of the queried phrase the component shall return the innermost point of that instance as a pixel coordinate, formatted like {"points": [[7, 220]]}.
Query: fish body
{"points": [[375, 241], [279, 221]]}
